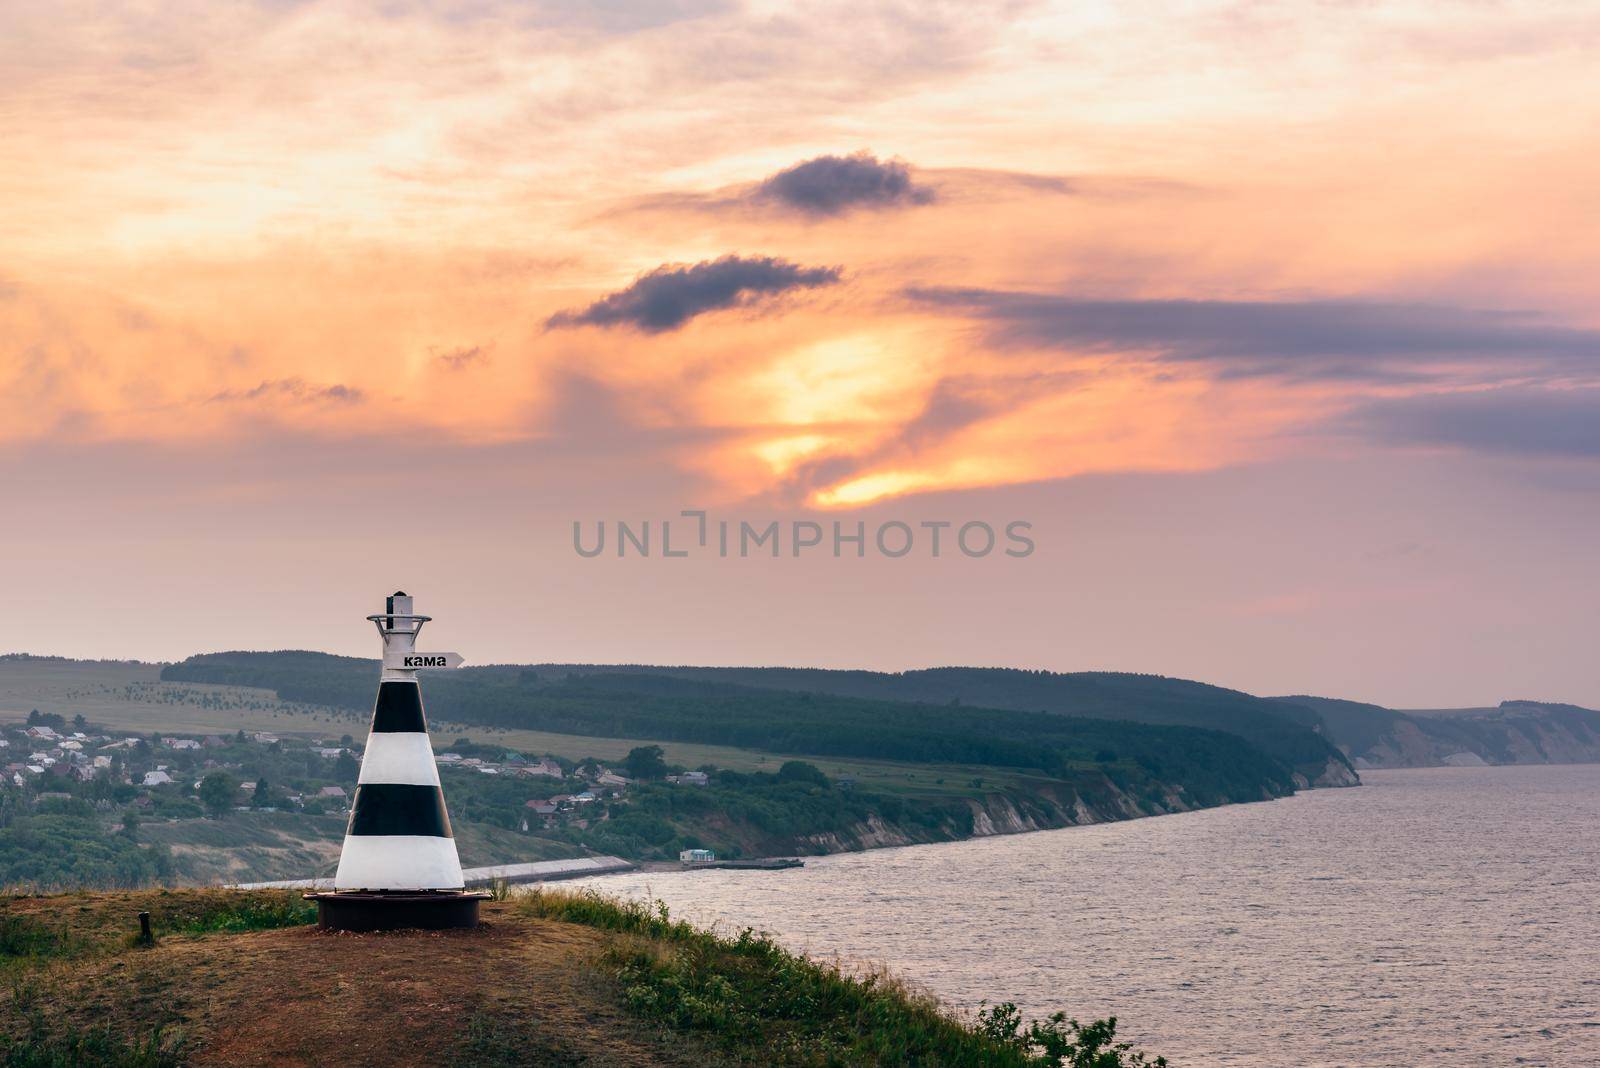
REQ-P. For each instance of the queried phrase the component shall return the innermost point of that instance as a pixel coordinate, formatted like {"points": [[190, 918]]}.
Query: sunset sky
{"points": [[1276, 321]]}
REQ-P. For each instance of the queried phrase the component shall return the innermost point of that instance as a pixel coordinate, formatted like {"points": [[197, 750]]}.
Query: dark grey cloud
{"points": [[296, 390], [671, 295], [1520, 421], [833, 185], [819, 188], [1318, 339], [462, 356]]}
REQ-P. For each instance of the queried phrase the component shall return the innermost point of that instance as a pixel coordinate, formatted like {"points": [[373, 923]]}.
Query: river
{"points": [[1441, 916]]}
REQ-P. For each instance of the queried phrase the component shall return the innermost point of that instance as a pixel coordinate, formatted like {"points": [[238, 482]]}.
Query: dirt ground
{"points": [[517, 990]]}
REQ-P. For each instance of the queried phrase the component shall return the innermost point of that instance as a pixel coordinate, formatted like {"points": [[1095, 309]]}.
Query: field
{"points": [[131, 696]]}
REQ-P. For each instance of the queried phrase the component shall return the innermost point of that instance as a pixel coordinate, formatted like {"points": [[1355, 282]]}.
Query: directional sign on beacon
{"points": [[413, 661]]}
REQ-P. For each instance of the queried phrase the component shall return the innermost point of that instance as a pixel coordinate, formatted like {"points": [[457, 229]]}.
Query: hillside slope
{"points": [[240, 979]]}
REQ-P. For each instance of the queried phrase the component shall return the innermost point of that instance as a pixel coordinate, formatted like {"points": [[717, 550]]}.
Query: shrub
{"points": [[800, 771]]}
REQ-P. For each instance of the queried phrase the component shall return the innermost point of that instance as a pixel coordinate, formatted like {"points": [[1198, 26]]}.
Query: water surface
{"points": [[1440, 916]]}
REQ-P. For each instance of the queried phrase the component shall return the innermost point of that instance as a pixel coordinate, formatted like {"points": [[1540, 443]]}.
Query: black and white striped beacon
{"points": [[399, 866]]}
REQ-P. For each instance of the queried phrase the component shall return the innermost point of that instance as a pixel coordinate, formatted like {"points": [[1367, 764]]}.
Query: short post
{"points": [[145, 937]]}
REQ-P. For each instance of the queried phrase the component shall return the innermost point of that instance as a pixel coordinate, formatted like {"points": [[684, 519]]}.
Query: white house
{"points": [[156, 778], [696, 856]]}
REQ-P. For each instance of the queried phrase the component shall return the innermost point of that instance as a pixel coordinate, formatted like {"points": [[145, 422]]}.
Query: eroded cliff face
{"points": [[1334, 773], [1001, 813]]}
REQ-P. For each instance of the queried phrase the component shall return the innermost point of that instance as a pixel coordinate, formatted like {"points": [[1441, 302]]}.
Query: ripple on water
{"points": [[1439, 916]]}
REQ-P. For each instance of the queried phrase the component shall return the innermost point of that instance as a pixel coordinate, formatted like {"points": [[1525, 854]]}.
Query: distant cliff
{"points": [[1514, 732]]}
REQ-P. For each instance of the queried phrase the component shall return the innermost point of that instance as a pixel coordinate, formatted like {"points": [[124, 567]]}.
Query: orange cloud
{"points": [[322, 220]]}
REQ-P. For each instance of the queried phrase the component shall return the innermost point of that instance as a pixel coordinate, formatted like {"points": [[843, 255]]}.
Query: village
{"points": [[173, 777]]}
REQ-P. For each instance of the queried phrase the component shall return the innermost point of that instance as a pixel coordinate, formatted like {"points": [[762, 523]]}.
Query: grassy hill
{"points": [[549, 979]]}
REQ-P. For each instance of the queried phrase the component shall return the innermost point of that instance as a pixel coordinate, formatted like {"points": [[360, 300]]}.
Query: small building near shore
{"points": [[692, 857]]}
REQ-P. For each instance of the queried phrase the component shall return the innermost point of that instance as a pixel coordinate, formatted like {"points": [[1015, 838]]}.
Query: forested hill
{"points": [[1288, 732], [1211, 766]]}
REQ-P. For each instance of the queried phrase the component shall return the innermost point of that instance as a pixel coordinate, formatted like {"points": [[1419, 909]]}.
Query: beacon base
{"points": [[396, 910]]}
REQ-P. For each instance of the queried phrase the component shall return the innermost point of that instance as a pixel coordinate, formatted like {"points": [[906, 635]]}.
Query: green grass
{"points": [[47, 1045], [756, 1001], [47, 1039], [235, 911], [38, 929], [492, 1040], [25, 938]]}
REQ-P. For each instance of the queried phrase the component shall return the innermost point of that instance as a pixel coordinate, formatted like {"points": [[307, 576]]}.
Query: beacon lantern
{"points": [[399, 866]]}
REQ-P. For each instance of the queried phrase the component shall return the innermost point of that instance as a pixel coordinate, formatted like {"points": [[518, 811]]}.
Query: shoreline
{"points": [[673, 867]]}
